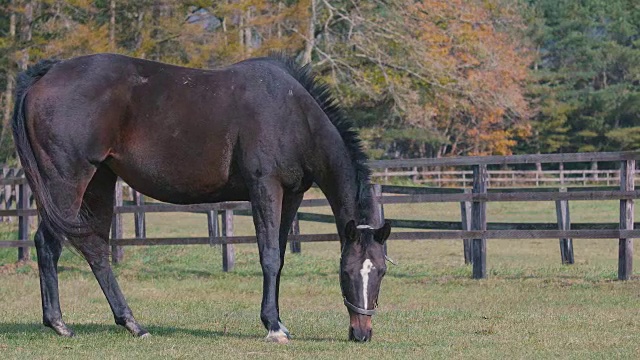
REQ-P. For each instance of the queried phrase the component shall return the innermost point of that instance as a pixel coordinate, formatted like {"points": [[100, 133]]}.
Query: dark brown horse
{"points": [[262, 130]]}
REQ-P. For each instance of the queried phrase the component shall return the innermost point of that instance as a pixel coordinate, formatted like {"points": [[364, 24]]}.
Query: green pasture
{"points": [[531, 306]]}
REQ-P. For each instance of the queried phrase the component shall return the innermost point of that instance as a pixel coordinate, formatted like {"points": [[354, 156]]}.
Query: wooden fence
{"points": [[512, 178], [421, 171], [473, 229]]}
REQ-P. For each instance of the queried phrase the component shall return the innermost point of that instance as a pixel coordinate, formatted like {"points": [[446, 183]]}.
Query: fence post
{"points": [[625, 247], [479, 222], [139, 215], [213, 225], [9, 192], [117, 252], [466, 216], [295, 230], [564, 223], [3, 193], [376, 189], [23, 221], [228, 253]]}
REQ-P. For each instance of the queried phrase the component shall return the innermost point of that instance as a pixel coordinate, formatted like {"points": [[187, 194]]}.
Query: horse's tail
{"points": [[50, 215]]}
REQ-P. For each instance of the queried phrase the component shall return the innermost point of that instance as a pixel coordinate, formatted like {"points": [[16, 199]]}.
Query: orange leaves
{"points": [[450, 68], [482, 72]]}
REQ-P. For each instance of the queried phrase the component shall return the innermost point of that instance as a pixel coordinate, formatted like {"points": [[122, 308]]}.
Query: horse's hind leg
{"points": [[67, 197], [49, 249], [98, 200]]}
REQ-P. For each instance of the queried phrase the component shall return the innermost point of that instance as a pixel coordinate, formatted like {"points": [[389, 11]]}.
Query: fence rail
{"points": [[464, 178], [473, 229], [430, 171]]}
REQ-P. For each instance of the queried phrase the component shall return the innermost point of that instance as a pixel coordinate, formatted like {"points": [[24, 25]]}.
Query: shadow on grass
{"points": [[170, 272], [15, 330], [18, 329]]}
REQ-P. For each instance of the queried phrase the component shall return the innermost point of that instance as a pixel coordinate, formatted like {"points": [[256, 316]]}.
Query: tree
{"points": [[454, 69], [588, 74], [447, 76]]}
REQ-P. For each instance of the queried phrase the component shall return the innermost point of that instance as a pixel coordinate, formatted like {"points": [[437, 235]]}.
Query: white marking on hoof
{"points": [[284, 328], [367, 266], [279, 337], [145, 335]]}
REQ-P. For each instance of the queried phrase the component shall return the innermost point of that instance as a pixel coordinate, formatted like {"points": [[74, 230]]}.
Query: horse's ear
{"points": [[382, 234], [351, 231]]}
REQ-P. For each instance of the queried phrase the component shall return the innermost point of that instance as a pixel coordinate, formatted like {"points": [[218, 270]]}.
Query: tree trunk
{"points": [[241, 32], [25, 30], [8, 95], [139, 26], [279, 24], [248, 36], [112, 26], [311, 39], [224, 28]]}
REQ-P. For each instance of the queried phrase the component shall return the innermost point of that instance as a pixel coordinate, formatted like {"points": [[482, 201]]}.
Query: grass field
{"points": [[530, 307]]}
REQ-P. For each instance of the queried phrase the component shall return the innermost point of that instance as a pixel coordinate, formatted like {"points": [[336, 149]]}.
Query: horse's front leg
{"points": [[290, 204], [266, 203]]}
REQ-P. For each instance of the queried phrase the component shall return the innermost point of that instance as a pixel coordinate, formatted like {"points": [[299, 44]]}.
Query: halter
{"points": [[358, 310]]}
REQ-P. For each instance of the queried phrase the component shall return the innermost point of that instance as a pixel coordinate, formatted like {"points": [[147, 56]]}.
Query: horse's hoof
{"points": [[63, 330], [136, 330], [279, 337]]}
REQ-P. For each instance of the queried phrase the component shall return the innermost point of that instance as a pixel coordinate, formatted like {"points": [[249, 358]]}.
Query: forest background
{"points": [[427, 78]]}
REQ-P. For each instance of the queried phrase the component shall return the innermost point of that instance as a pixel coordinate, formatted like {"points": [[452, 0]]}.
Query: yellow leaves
{"points": [[478, 73], [444, 65], [85, 4], [79, 40]]}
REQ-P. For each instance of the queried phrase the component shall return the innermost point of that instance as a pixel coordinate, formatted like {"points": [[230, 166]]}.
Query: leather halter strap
{"points": [[358, 310]]}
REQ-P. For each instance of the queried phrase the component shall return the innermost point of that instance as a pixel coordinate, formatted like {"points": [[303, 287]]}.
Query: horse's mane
{"points": [[321, 92]]}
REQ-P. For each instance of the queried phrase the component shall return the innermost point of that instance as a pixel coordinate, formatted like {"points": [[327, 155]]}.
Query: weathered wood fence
{"points": [[473, 229], [419, 171]]}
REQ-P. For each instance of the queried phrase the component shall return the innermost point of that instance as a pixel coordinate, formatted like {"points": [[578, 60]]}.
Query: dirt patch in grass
{"points": [[19, 267]]}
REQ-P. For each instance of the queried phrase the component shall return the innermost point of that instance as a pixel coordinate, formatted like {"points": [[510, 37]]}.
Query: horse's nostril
{"points": [[359, 335]]}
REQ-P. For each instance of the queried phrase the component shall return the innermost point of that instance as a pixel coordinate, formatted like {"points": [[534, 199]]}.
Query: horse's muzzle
{"points": [[360, 327]]}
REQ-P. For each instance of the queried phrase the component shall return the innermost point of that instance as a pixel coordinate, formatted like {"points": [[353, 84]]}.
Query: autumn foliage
{"points": [[419, 78]]}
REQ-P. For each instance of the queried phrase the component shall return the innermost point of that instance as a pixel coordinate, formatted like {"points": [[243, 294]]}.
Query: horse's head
{"points": [[362, 267]]}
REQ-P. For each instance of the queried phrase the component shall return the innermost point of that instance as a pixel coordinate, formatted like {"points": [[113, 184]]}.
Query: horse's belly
{"points": [[182, 183]]}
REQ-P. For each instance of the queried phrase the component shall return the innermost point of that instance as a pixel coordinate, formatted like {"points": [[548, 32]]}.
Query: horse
{"points": [[262, 130]]}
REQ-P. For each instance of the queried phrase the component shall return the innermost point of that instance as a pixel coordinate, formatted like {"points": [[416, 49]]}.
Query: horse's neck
{"points": [[341, 189], [339, 186]]}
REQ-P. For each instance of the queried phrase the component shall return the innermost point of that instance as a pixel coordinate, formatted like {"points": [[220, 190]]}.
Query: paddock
{"points": [[529, 304]]}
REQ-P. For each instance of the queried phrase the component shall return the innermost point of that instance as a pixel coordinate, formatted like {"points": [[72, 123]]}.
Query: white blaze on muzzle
{"points": [[367, 266]]}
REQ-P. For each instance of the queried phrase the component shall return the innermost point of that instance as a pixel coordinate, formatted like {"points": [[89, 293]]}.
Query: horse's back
{"points": [[177, 134]]}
